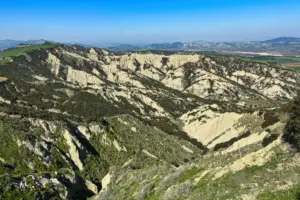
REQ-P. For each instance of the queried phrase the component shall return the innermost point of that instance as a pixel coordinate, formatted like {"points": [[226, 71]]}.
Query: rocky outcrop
{"points": [[3, 79], [54, 63], [82, 78], [73, 149]]}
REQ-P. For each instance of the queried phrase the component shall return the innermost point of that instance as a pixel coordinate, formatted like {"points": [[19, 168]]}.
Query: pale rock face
{"points": [[40, 78], [93, 55], [229, 133], [2, 100], [153, 73], [107, 141], [148, 101], [46, 126], [120, 77], [122, 121], [74, 55], [155, 61], [95, 71], [210, 80], [172, 82], [275, 91], [3, 79], [32, 148], [105, 181], [84, 131], [73, 151], [91, 186], [257, 158], [149, 154], [253, 138], [211, 124], [179, 60], [67, 91], [95, 129], [106, 53], [53, 110], [246, 74], [82, 78], [118, 147], [187, 149], [54, 62]]}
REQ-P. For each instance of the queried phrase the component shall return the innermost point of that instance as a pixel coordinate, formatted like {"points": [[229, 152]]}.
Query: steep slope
{"points": [[77, 121], [250, 164]]}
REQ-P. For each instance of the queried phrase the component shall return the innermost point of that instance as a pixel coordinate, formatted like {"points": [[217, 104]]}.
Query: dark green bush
{"points": [[292, 128], [269, 139], [270, 118]]}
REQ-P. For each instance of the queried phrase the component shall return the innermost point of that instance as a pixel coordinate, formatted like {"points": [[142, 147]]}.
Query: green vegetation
{"points": [[292, 129], [18, 162], [264, 62], [5, 60], [234, 184], [18, 51], [270, 118], [289, 61], [290, 194], [190, 174]]}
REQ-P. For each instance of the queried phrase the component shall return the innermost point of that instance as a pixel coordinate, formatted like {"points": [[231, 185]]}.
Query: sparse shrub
{"points": [[270, 118], [165, 60], [175, 164], [227, 144], [292, 193], [269, 139]]}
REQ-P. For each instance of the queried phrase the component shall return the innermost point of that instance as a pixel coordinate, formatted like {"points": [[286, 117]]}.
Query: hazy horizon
{"points": [[139, 22]]}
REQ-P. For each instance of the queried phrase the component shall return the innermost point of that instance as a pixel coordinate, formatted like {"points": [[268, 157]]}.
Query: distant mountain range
{"points": [[277, 46], [283, 40], [289, 46]]}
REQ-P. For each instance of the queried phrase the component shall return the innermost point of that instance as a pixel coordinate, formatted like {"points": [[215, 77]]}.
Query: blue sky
{"points": [[133, 21]]}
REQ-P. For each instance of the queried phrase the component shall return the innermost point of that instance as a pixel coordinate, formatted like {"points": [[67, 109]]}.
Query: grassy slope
{"points": [[18, 51]]}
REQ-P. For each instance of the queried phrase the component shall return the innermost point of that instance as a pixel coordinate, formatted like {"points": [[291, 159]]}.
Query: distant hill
{"points": [[288, 46], [6, 44], [124, 47], [283, 40], [175, 45]]}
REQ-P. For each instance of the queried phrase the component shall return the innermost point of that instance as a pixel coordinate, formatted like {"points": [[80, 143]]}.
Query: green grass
{"points": [[190, 174], [297, 68], [276, 59], [18, 51], [290, 194], [5, 60], [265, 62]]}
